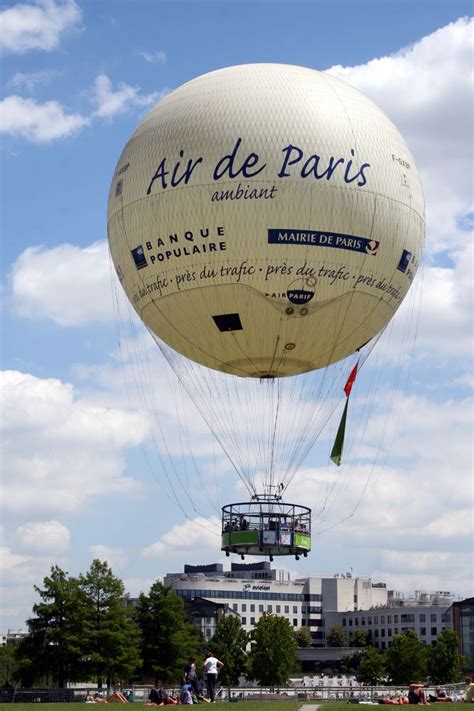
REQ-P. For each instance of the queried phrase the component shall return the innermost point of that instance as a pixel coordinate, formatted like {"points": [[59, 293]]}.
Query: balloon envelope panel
{"points": [[266, 220]]}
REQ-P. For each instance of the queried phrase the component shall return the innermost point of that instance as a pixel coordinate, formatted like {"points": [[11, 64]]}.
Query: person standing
{"points": [[211, 668]]}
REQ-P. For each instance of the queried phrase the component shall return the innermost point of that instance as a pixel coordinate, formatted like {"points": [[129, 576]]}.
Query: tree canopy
{"points": [[53, 652], [444, 660], [110, 637], [273, 653], [371, 666], [168, 637], [406, 658], [337, 637], [228, 645]]}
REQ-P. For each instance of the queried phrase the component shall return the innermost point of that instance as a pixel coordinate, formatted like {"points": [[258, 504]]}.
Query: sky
{"points": [[102, 459]]}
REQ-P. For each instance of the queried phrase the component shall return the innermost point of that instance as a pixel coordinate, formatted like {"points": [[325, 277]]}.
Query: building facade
{"points": [[252, 589]]}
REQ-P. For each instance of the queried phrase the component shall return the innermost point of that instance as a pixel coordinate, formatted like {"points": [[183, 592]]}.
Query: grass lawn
{"points": [[241, 706]]}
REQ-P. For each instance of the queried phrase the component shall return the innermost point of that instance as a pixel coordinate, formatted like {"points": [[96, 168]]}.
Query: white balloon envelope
{"points": [[266, 220]]}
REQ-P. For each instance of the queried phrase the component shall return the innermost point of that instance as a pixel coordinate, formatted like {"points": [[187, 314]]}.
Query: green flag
{"points": [[336, 453]]}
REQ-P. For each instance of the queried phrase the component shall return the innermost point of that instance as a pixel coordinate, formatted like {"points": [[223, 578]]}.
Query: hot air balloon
{"points": [[265, 221]]}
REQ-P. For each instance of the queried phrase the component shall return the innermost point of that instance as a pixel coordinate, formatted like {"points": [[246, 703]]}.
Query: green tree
{"points": [[351, 662], [8, 663], [359, 639], [168, 637], [52, 650], [228, 645], [110, 639], [406, 658], [337, 637], [273, 654], [444, 660], [371, 666], [303, 637]]}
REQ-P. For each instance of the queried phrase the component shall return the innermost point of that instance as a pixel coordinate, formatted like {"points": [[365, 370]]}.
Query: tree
{"points": [[110, 637], [406, 658], [350, 663], [52, 650], [359, 639], [303, 637], [444, 660], [8, 663], [371, 666], [168, 638], [228, 645], [336, 637], [273, 654]]}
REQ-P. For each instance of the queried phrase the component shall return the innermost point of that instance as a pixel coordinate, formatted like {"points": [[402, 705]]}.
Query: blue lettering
{"points": [[289, 150], [227, 164]]}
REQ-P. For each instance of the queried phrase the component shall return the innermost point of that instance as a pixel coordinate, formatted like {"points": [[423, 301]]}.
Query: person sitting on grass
{"points": [[416, 695]]}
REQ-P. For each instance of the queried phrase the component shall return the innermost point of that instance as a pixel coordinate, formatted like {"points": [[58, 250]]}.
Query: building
{"points": [[252, 589], [460, 617], [381, 624], [206, 614]]}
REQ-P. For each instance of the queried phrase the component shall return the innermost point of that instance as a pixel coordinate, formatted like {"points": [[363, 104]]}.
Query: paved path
{"points": [[309, 707]]}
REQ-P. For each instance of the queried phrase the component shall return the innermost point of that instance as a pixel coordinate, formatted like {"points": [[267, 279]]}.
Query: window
{"points": [[208, 632], [260, 608], [376, 633], [303, 610], [389, 619], [244, 608], [278, 609], [269, 608], [356, 621], [369, 620], [434, 631], [362, 622], [395, 618], [350, 621], [407, 618], [433, 617], [287, 609], [422, 617], [234, 607], [382, 619], [252, 608], [244, 620], [295, 610], [252, 620], [422, 631], [382, 632], [295, 623], [344, 622]]}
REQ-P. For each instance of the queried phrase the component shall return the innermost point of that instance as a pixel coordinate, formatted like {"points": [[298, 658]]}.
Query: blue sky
{"points": [[81, 474]]}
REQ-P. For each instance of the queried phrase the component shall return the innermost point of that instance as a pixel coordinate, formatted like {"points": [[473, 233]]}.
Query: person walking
{"points": [[211, 668]]}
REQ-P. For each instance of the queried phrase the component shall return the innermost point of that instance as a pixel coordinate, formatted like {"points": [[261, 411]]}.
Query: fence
{"points": [[139, 693]]}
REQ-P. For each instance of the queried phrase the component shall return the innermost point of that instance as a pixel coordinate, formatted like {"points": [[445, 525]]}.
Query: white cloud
{"points": [[39, 123], [110, 102], [31, 80], [156, 57], [198, 533], [42, 537], [61, 449], [37, 26], [70, 285]]}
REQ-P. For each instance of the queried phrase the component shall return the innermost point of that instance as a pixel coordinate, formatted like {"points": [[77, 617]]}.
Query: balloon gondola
{"points": [[266, 526], [266, 222]]}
